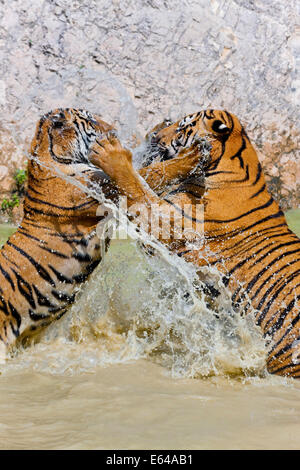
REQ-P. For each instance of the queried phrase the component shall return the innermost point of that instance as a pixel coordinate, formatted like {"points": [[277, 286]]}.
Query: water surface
{"points": [[123, 379]]}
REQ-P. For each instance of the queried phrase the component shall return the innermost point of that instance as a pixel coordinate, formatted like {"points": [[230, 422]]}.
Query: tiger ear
{"points": [[165, 123], [219, 127]]}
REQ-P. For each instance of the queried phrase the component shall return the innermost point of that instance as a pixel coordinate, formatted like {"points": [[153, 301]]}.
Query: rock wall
{"points": [[139, 61]]}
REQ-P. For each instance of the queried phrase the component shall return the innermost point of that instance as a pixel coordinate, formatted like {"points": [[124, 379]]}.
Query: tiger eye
{"points": [[57, 124], [219, 126]]}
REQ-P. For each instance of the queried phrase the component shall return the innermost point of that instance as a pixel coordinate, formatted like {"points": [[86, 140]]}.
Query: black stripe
{"points": [[80, 135], [15, 331], [241, 230], [259, 191], [213, 165], [279, 322], [43, 301], [185, 191], [39, 268], [286, 266], [213, 173], [67, 236], [264, 206], [64, 208], [54, 252], [211, 116], [82, 277], [37, 316], [229, 117], [256, 243], [262, 315], [90, 268], [61, 277], [182, 211], [174, 148], [238, 254], [288, 330], [52, 214], [82, 257], [25, 289], [258, 174], [34, 210], [249, 238], [9, 260], [187, 137], [281, 245], [38, 225], [27, 235], [69, 299], [65, 161], [290, 365], [30, 188], [238, 154], [243, 180], [3, 306], [279, 370], [39, 131], [258, 275], [15, 314], [7, 277]]}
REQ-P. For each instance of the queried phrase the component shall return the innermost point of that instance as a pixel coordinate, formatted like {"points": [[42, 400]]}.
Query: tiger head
{"points": [[63, 139], [221, 130], [60, 149]]}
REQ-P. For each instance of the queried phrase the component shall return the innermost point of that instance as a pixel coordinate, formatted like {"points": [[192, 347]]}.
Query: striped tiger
{"points": [[245, 232], [56, 246]]}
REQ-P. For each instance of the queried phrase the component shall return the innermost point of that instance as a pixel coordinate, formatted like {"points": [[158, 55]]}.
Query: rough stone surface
{"points": [[139, 61]]}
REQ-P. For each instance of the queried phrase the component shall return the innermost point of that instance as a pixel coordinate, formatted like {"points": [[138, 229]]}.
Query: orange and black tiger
{"points": [[56, 247], [245, 232]]}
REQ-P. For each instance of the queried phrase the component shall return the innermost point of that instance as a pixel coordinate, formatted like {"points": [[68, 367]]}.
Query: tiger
{"points": [[243, 232], [56, 246]]}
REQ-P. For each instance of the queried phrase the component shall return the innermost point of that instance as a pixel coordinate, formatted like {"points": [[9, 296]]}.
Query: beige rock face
{"points": [[139, 61]]}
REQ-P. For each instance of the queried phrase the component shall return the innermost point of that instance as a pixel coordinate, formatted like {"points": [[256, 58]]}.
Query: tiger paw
{"points": [[187, 160], [195, 157], [109, 155]]}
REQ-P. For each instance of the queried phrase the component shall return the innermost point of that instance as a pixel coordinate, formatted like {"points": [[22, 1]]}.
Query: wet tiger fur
{"points": [[245, 232], [56, 247]]}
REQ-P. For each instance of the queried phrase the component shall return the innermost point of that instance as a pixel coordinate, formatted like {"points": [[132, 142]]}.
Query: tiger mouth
{"points": [[158, 151]]}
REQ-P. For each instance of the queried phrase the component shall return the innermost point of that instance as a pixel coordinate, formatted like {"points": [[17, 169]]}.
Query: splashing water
{"points": [[137, 305], [150, 307]]}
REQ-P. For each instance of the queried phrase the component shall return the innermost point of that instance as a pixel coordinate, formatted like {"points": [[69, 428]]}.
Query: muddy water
{"points": [[133, 368], [138, 406]]}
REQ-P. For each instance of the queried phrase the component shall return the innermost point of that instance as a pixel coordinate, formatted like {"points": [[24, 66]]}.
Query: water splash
{"points": [[136, 305], [140, 305]]}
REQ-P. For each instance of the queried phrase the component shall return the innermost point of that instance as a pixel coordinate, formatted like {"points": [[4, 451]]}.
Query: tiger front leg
{"points": [[111, 157], [116, 161], [161, 174]]}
